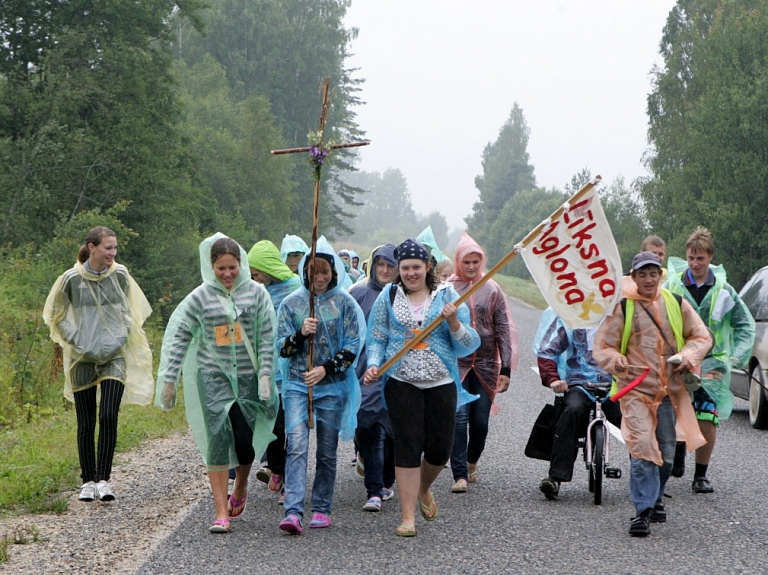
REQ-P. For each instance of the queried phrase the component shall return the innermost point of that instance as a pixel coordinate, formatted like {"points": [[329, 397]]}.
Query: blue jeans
{"points": [[378, 451], [297, 449], [648, 480], [475, 416]]}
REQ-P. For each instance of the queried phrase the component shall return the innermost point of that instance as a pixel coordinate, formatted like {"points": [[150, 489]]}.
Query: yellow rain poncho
{"points": [[210, 334], [98, 317], [647, 347]]}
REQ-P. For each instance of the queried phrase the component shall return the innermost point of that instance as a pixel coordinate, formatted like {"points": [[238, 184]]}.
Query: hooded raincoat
{"points": [[427, 238], [265, 257], [365, 293], [292, 244], [490, 316], [223, 341], [647, 347], [98, 317], [341, 327], [387, 336], [571, 350], [732, 326]]}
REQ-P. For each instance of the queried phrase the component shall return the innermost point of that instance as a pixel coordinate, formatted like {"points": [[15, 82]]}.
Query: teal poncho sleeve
{"points": [[732, 326]]}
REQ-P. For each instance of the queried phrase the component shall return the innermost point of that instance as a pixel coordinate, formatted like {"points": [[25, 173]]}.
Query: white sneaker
{"points": [[105, 491], [88, 491]]}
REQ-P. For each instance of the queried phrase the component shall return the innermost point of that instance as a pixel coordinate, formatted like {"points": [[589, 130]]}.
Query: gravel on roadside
{"points": [[155, 486]]}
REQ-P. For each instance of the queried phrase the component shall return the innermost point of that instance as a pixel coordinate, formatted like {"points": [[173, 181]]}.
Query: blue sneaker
{"points": [[373, 504], [387, 494]]}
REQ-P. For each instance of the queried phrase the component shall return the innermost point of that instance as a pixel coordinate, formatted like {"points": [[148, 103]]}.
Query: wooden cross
{"points": [[318, 152]]}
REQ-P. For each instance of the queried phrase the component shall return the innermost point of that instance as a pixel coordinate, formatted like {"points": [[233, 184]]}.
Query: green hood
{"points": [[265, 257]]}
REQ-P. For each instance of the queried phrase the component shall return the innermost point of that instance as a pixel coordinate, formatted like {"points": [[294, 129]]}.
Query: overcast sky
{"points": [[441, 78]]}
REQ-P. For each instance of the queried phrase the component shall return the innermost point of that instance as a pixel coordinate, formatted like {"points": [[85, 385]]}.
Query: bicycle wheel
{"points": [[596, 473]]}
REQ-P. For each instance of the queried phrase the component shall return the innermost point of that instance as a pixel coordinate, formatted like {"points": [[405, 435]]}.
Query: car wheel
{"points": [[758, 405]]}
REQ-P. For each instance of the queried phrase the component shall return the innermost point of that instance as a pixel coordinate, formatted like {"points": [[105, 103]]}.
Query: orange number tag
{"points": [[422, 344], [224, 334]]}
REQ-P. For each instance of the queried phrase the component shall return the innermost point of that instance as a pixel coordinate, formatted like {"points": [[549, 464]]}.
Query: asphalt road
{"points": [[504, 524]]}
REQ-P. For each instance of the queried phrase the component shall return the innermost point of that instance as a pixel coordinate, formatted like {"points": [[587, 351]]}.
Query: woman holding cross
{"points": [[422, 390], [336, 332]]}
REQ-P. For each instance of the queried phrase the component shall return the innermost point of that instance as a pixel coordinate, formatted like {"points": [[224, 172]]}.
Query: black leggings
{"points": [[423, 421], [276, 449], [91, 468], [243, 436]]}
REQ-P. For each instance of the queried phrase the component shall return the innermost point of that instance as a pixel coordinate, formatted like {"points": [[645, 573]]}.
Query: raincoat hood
{"points": [[206, 266], [465, 247], [325, 250], [385, 252], [292, 244], [427, 238], [353, 255], [265, 258]]}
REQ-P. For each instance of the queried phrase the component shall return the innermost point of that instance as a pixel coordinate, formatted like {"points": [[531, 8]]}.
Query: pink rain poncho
{"points": [[490, 318], [646, 347]]}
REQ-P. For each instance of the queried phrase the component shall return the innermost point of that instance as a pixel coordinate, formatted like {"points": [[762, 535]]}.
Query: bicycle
{"points": [[597, 450]]}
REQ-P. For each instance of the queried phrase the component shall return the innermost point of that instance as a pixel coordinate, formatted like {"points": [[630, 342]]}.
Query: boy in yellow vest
{"points": [[648, 329]]}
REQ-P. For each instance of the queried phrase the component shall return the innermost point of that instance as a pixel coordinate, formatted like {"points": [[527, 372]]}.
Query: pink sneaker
{"points": [[291, 524], [320, 521]]}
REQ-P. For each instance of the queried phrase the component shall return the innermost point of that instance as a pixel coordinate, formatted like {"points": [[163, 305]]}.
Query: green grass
{"points": [[40, 464], [524, 290]]}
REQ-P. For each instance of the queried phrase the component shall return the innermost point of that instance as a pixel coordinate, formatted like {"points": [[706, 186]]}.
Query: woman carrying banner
{"points": [[422, 390]]}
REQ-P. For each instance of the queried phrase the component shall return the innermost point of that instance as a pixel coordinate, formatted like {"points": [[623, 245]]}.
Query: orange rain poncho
{"points": [[490, 318], [647, 347]]}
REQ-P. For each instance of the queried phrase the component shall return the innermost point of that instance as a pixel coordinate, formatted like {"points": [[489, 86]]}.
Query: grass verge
{"points": [[524, 290], [40, 464]]}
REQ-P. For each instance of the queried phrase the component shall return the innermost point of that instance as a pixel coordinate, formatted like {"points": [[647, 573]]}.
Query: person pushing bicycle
{"points": [[566, 366]]}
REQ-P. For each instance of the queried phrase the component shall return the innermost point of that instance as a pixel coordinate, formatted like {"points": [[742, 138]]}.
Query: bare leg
{"points": [[241, 481], [704, 453], [408, 479], [427, 477], [219, 481]]}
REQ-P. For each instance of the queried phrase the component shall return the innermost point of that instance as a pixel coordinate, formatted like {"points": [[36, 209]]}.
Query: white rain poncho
{"points": [[341, 326], [207, 339], [732, 326], [96, 318]]}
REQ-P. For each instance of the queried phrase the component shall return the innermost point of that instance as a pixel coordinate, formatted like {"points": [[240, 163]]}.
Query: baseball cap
{"points": [[645, 259]]}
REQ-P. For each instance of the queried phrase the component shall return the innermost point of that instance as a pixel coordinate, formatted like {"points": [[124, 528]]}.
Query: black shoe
{"points": [[702, 485], [550, 488], [640, 526], [658, 514], [678, 466]]}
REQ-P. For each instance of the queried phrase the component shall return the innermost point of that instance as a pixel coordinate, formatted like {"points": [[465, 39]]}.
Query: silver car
{"points": [[751, 385]]}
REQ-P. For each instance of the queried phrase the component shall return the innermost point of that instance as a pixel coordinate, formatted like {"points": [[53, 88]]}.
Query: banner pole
{"points": [[488, 275]]}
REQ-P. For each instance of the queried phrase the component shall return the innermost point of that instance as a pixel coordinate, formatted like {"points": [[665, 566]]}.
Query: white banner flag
{"points": [[575, 262]]}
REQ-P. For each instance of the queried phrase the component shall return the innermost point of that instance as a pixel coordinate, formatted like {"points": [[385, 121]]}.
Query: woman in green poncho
{"points": [[222, 336]]}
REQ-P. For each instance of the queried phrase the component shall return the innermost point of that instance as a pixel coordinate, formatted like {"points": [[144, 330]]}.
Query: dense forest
{"points": [[156, 118]]}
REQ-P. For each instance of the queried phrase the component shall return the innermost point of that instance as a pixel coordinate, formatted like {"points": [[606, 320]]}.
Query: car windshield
{"points": [[755, 295]]}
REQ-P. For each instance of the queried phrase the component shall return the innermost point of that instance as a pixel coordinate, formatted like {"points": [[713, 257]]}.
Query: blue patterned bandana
{"points": [[411, 250]]}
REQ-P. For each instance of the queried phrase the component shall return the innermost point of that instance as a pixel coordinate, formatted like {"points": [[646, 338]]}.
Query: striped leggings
{"points": [[93, 469]]}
